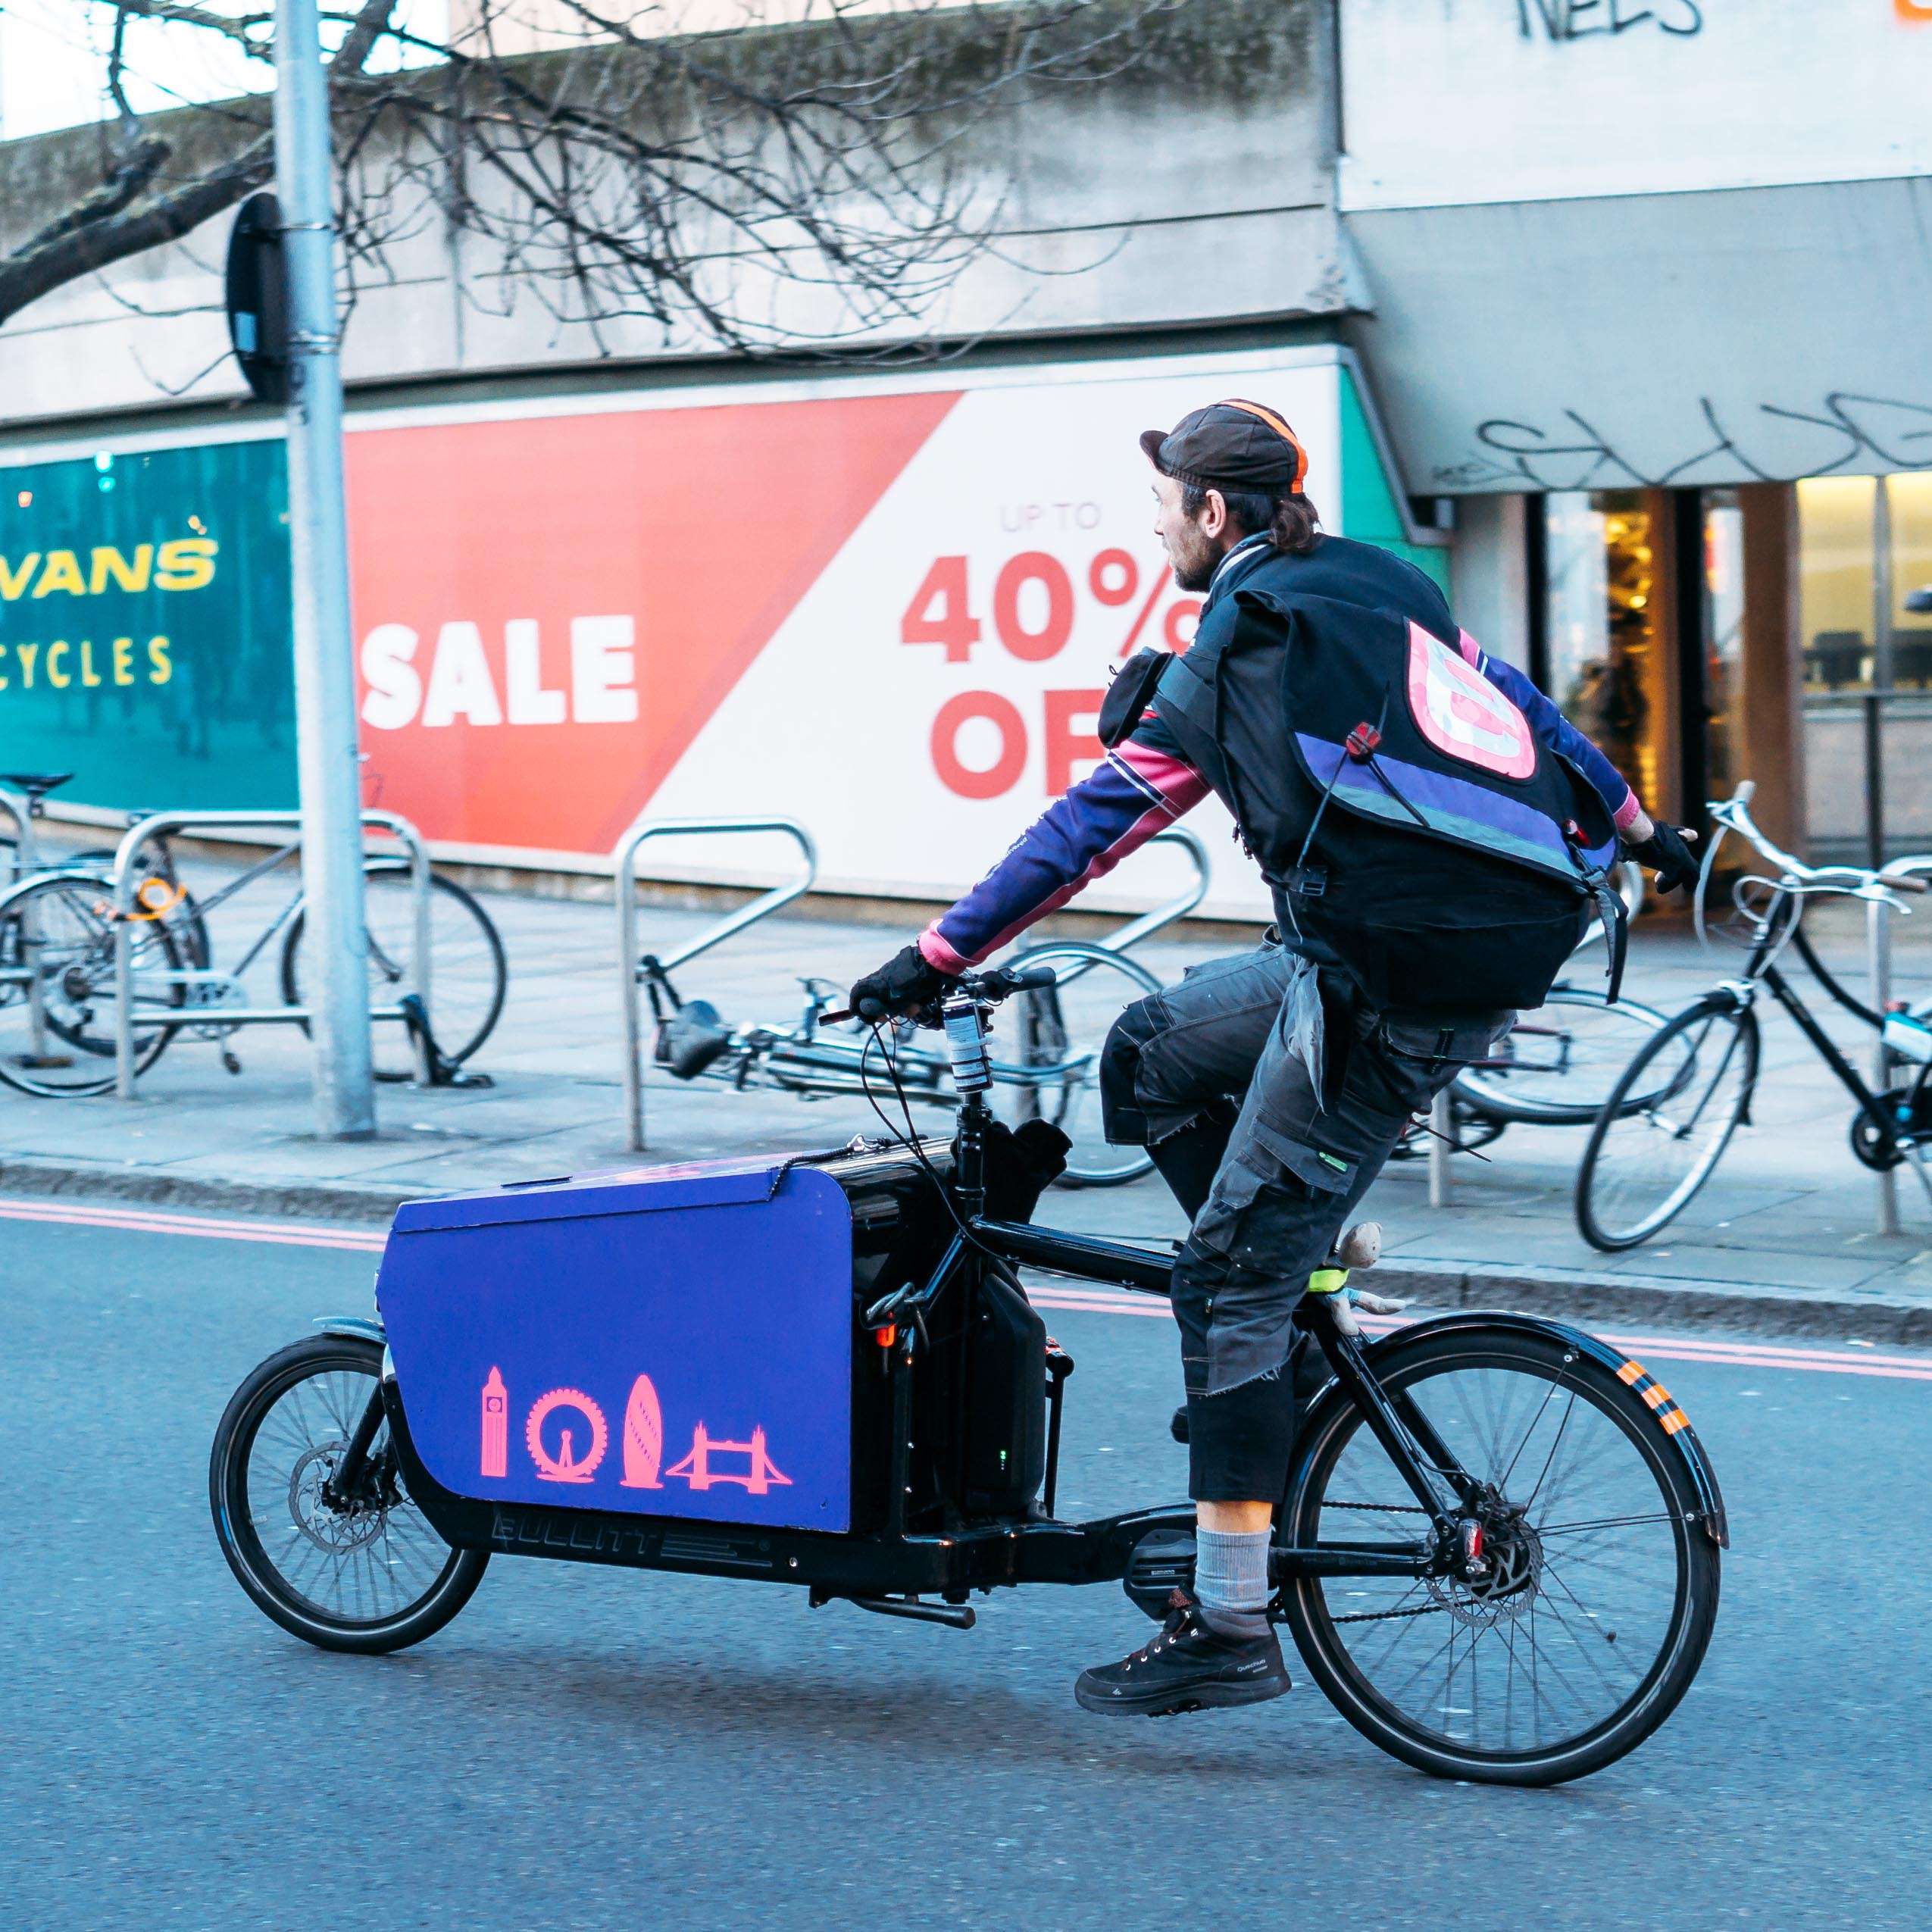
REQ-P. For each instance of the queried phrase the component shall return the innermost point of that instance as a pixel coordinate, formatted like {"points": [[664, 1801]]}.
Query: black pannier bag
{"points": [[1398, 803]]}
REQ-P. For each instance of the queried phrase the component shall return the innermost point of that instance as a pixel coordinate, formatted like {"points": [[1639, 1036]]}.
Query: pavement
{"points": [[589, 1748], [1782, 1240]]}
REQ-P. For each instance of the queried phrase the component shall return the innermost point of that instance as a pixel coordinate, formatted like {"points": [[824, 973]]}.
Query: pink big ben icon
{"points": [[495, 1426]]}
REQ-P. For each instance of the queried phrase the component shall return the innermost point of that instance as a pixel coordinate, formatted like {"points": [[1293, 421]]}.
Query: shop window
{"points": [[1864, 548], [1602, 625], [1726, 757], [1909, 501], [1835, 524]]}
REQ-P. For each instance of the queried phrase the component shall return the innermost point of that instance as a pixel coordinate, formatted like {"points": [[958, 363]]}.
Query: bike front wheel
{"points": [[1667, 1122], [1600, 1589], [469, 975], [1048, 1065], [364, 1573]]}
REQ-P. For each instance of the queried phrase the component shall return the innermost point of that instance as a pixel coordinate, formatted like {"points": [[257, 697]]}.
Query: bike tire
{"points": [[1581, 1043], [1067, 1023], [269, 1586], [73, 955], [1680, 1566], [468, 954], [1623, 1166]]}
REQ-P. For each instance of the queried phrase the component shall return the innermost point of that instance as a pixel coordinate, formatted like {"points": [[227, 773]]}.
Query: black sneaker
{"points": [[1187, 1667]]}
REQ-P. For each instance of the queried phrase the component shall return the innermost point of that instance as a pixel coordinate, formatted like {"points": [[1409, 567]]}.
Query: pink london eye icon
{"points": [[564, 1467], [495, 1426], [643, 1437]]}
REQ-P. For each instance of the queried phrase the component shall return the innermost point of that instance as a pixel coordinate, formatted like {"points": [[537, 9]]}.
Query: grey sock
{"points": [[1230, 1582]]}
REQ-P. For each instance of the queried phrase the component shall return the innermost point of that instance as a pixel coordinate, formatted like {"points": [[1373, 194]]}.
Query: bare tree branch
{"points": [[779, 188]]}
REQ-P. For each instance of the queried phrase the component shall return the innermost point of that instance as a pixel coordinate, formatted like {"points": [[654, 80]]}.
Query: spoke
{"points": [[1546, 1530]]}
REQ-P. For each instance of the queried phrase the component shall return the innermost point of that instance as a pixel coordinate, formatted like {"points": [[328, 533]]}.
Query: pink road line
{"points": [[1739, 1354], [153, 1221], [1095, 1301]]}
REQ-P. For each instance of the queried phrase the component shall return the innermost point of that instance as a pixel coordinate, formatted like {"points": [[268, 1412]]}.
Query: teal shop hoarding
{"points": [[144, 626]]}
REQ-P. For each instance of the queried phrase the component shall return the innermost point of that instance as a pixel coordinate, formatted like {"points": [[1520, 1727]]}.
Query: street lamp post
{"points": [[326, 762]]}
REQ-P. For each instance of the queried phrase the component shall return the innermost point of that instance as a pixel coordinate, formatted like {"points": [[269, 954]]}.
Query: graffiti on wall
{"points": [[1845, 432], [1582, 19]]}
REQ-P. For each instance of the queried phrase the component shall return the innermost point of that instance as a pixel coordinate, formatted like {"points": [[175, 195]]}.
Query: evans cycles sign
{"points": [[144, 626], [890, 613]]}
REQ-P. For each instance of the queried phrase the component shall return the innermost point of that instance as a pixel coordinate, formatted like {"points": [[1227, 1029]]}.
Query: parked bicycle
{"points": [[1498, 1552], [1051, 1072], [57, 999], [1667, 1122]]}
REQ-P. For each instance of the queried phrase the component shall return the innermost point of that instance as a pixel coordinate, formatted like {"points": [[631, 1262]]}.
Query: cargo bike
{"points": [[1497, 1553]]}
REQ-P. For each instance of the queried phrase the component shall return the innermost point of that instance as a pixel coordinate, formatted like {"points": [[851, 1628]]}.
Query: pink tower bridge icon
{"points": [[643, 1443]]}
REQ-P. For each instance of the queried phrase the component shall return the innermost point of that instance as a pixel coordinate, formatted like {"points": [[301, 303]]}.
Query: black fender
{"points": [[1670, 1419]]}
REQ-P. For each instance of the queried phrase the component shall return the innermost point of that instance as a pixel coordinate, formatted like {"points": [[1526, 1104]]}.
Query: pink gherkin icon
{"points": [[495, 1426], [643, 1437]]}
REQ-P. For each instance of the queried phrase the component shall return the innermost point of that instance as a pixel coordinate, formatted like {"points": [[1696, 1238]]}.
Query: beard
{"points": [[1193, 559]]}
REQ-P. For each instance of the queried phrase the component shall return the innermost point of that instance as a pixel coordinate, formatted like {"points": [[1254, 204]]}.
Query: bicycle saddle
{"points": [[36, 783]]}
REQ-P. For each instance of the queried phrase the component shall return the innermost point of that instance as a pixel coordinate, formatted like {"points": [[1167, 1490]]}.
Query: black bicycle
{"points": [[1667, 1122], [1498, 1553]]}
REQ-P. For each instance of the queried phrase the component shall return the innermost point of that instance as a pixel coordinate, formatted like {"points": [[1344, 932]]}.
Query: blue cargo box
{"points": [[671, 1341]]}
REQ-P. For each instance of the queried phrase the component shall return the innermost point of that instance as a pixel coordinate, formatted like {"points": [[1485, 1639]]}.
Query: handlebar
{"points": [[1734, 814], [989, 988]]}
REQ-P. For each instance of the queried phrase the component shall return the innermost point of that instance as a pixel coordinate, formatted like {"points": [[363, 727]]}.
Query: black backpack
{"points": [[1399, 805]]}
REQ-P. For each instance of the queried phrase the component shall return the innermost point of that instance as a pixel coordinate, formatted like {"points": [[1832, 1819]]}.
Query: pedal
{"points": [[1162, 1561]]}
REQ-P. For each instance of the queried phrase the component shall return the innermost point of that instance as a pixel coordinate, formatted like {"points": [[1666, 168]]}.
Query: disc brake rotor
{"points": [[1510, 1582], [324, 1525]]}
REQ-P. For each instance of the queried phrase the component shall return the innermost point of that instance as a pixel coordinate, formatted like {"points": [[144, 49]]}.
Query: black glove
{"points": [[1667, 851], [907, 981]]}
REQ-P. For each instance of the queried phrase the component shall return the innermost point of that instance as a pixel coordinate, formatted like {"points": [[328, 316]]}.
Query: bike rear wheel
{"points": [[1557, 1065], [469, 975], [368, 1575], [1046, 1055], [1603, 1587], [57, 988], [1667, 1123]]}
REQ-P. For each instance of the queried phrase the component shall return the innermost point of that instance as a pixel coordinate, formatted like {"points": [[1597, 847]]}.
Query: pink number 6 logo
{"points": [[1461, 712]]}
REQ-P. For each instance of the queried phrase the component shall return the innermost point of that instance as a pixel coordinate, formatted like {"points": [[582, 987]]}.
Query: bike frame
{"points": [[1760, 968]]}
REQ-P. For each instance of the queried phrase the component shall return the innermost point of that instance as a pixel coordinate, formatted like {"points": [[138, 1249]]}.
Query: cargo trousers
{"points": [[1278, 1073]]}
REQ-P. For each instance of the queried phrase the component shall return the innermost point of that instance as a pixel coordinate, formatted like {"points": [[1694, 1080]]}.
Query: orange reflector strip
{"points": [[1630, 1371]]}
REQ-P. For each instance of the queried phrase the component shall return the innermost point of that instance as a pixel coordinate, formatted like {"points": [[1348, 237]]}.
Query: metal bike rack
{"points": [[1178, 908], [748, 915], [128, 913], [20, 809], [26, 863]]}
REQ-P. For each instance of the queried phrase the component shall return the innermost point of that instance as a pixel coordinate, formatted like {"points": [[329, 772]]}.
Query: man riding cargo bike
{"points": [[1435, 835], [1498, 1551]]}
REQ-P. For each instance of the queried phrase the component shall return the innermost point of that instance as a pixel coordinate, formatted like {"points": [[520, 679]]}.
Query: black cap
{"points": [[1241, 445]]}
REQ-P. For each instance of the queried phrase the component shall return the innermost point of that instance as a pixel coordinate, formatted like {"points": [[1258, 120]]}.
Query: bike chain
{"points": [[1385, 1616]]}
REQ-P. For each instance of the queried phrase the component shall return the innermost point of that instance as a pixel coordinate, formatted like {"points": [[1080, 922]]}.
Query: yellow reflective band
{"points": [[1328, 1280]]}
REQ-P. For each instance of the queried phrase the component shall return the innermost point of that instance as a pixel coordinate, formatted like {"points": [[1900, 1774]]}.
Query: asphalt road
{"points": [[590, 1748]]}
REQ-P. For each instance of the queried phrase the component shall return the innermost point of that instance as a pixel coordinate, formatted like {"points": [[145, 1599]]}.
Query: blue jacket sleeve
{"points": [[1142, 785], [1556, 731]]}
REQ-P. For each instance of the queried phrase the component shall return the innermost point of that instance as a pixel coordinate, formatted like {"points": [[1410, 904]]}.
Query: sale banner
{"points": [[888, 613]]}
